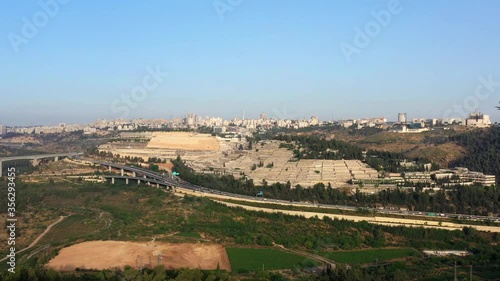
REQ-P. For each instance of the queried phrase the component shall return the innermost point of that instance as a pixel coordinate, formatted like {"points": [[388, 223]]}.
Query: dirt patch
{"points": [[184, 141], [110, 254]]}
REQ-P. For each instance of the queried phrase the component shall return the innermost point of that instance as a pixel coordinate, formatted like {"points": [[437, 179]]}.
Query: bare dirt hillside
{"points": [[110, 254]]}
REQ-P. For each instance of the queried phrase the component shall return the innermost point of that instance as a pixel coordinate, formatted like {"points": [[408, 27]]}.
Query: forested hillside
{"points": [[483, 151]]}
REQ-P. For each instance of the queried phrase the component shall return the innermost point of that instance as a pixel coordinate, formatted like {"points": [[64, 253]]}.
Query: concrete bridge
{"points": [[135, 171], [139, 180], [36, 158]]}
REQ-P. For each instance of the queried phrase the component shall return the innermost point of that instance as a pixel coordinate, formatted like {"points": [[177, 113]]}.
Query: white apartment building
{"points": [[478, 120]]}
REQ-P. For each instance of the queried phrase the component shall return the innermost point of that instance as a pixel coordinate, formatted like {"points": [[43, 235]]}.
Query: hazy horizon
{"points": [[76, 62]]}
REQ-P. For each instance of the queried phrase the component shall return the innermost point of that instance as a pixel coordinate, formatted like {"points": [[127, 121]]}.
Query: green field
{"points": [[245, 260], [370, 256], [72, 228]]}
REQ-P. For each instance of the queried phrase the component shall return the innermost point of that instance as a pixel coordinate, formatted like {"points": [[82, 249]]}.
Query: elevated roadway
{"points": [[55, 156], [139, 180], [199, 190]]}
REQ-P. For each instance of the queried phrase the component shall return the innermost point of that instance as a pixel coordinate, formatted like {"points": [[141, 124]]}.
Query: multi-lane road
{"points": [[178, 183]]}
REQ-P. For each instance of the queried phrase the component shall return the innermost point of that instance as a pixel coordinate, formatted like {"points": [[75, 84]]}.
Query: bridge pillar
{"points": [[134, 174], [1, 168], [138, 182], [56, 158], [126, 181], [109, 169], [157, 185], [35, 162], [113, 180], [123, 172], [144, 176]]}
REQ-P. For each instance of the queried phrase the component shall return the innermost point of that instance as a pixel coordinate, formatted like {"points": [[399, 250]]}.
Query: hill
{"points": [[483, 150]]}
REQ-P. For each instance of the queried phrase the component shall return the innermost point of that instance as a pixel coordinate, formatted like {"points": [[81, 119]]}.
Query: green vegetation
{"points": [[483, 147], [189, 234], [138, 213], [72, 228], [315, 147], [245, 260], [371, 255], [156, 160], [157, 274]]}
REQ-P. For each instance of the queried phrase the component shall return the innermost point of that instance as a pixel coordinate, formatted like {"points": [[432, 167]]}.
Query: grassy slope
{"points": [[245, 259]]}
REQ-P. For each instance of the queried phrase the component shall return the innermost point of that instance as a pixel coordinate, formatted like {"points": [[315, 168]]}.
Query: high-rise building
{"points": [[263, 116], [3, 130], [402, 117], [190, 119], [314, 120]]}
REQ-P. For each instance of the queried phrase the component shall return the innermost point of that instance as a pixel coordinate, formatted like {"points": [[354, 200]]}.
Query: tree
{"points": [[154, 167]]}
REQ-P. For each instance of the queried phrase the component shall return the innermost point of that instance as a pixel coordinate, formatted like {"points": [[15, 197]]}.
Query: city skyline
{"points": [[335, 60], [193, 120], [284, 114]]}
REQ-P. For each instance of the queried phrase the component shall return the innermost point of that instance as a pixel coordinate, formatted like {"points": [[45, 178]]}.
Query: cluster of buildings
{"points": [[362, 123], [194, 120], [219, 125], [450, 177], [418, 125], [60, 128]]}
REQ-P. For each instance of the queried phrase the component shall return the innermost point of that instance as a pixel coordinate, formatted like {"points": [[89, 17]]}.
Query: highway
{"points": [[35, 157], [177, 182], [40, 156]]}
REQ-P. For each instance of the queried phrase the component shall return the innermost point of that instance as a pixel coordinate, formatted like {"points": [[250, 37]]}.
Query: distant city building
{"points": [[263, 116], [478, 120], [402, 118], [381, 120], [190, 119], [219, 130], [453, 121], [450, 177], [314, 120], [462, 176], [3, 130]]}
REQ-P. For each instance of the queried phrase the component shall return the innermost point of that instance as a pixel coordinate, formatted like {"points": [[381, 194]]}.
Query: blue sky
{"points": [[279, 57]]}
